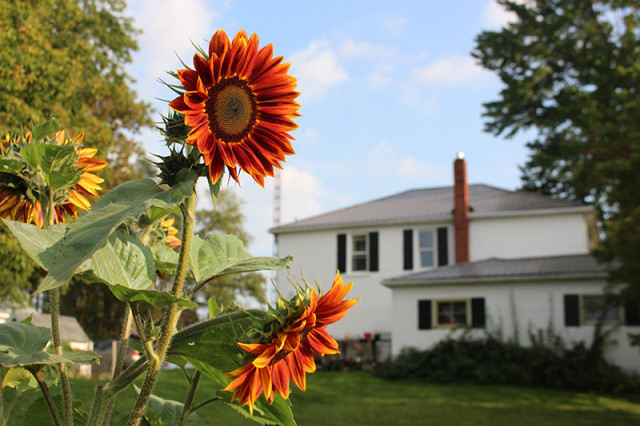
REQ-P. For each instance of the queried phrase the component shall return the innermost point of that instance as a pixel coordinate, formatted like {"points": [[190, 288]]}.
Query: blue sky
{"points": [[389, 94]]}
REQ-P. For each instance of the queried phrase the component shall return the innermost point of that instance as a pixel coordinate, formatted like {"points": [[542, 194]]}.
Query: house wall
{"points": [[315, 257], [509, 307], [518, 236]]}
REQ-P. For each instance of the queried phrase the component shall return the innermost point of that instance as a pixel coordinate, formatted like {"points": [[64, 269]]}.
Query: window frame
{"points": [[434, 313], [418, 248], [583, 319], [365, 253]]}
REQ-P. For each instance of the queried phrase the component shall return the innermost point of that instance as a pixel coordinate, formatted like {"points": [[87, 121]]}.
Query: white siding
{"points": [[530, 305], [518, 236]]}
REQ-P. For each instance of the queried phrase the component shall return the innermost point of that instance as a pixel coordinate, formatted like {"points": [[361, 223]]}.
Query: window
{"points": [[359, 252], [596, 309], [450, 313], [426, 248], [589, 309], [362, 252]]}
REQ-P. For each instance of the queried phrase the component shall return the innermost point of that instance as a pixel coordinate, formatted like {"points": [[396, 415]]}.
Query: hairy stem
{"points": [[55, 328], [171, 312], [122, 350], [186, 409], [47, 396], [62, 368]]}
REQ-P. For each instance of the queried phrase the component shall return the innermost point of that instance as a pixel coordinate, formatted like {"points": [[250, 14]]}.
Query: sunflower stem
{"points": [[122, 350], [186, 409], [47, 396], [171, 313], [55, 328], [148, 347]]}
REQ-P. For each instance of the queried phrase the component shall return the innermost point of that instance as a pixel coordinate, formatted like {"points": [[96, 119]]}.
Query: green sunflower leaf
{"points": [[224, 254], [23, 345], [165, 258], [37, 242], [165, 410], [92, 229], [124, 261], [159, 299], [56, 163]]}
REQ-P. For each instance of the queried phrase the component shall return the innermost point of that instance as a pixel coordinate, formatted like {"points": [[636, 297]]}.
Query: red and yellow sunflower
{"points": [[17, 201], [288, 354], [239, 103]]}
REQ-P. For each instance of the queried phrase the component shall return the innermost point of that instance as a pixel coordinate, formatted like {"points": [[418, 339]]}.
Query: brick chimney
{"points": [[461, 209]]}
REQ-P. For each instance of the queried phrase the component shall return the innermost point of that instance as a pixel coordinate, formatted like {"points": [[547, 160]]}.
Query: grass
{"points": [[358, 398]]}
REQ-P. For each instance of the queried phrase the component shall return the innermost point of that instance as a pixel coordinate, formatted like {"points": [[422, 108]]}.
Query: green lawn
{"points": [[358, 398]]}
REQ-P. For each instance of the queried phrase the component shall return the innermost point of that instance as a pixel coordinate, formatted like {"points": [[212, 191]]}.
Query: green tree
{"points": [[66, 58], [227, 217], [571, 72]]}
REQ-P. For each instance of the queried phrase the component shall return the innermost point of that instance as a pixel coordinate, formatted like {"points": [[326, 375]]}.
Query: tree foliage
{"points": [[571, 72], [66, 58], [227, 217]]}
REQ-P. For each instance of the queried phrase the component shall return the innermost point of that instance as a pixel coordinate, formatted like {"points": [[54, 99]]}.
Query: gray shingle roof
{"points": [[501, 269], [428, 204]]}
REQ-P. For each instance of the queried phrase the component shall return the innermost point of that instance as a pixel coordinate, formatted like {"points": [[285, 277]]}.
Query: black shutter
{"points": [[373, 251], [632, 313], [424, 314], [477, 312], [408, 249], [571, 310], [342, 253], [443, 247]]}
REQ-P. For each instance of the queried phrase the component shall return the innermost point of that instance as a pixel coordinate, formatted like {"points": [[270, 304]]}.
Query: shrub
{"points": [[548, 362]]}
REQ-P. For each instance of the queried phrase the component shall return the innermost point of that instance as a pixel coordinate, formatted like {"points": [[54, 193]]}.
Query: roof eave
{"points": [[515, 279]]}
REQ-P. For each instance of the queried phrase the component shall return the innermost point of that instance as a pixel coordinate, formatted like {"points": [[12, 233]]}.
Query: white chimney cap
{"points": [[460, 155]]}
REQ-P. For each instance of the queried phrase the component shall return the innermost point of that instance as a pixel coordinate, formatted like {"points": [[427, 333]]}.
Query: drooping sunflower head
{"points": [[239, 102], [25, 190], [282, 350]]}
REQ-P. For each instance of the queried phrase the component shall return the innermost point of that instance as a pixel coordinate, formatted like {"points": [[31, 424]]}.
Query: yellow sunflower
{"points": [[17, 201], [171, 231], [239, 103]]}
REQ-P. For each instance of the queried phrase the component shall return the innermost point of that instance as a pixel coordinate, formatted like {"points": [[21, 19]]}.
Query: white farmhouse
{"points": [[427, 260]]}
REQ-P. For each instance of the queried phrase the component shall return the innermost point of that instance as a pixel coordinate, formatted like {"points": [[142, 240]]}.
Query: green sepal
{"points": [[44, 129], [56, 164]]}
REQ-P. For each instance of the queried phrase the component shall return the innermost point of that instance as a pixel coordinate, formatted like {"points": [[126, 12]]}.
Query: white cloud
{"points": [[395, 26], [350, 49], [411, 168], [168, 28], [317, 69], [495, 16], [451, 69], [382, 157], [302, 193]]}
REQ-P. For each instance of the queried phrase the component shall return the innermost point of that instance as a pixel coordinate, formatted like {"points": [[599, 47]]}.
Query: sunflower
{"points": [[239, 103], [171, 240], [288, 353], [17, 199]]}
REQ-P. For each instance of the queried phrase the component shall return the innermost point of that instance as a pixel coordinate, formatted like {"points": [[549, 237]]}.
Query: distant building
{"points": [[426, 260]]}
